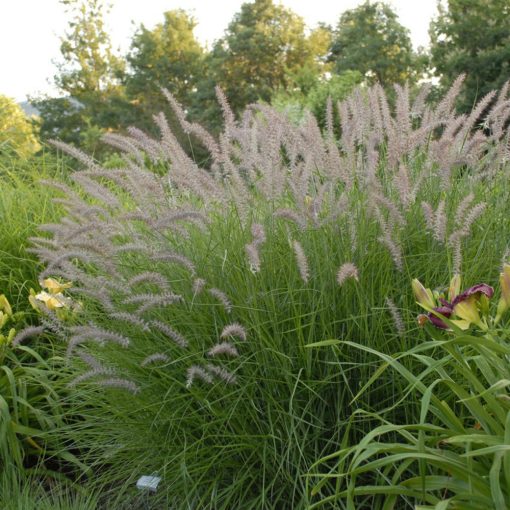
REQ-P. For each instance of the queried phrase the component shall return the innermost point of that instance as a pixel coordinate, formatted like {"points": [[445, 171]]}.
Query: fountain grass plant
{"points": [[203, 288]]}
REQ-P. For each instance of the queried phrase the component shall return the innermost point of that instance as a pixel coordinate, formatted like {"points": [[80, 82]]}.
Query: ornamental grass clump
{"points": [[201, 286]]}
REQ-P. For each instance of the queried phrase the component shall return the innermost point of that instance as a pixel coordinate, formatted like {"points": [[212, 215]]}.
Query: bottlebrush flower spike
{"points": [[234, 329], [347, 270]]}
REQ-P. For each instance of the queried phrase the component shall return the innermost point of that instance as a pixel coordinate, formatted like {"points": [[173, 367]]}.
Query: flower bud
{"points": [[4, 305], [422, 320], [454, 288], [423, 296], [504, 281], [483, 304], [3, 319], [504, 300]]}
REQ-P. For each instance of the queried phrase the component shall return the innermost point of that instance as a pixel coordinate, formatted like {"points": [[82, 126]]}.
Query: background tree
{"points": [[17, 134], [472, 37], [167, 56], [297, 103], [315, 67], [264, 49], [89, 78], [370, 39], [89, 68]]}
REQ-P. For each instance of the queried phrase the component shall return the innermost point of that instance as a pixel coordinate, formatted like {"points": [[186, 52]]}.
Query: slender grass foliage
{"points": [[203, 286], [24, 204], [21, 492]]}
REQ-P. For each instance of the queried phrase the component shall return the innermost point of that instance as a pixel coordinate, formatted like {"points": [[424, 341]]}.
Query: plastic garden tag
{"points": [[148, 483]]}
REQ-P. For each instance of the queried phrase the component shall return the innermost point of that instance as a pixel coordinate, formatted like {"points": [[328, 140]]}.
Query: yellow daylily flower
{"points": [[462, 324], [55, 287], [51, 301]]}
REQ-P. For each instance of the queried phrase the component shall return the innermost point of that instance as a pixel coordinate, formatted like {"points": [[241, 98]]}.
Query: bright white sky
{"points": [[30, 30]]}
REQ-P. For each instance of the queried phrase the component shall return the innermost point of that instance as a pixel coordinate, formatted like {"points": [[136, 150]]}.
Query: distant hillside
{"points": [[29, 109]]}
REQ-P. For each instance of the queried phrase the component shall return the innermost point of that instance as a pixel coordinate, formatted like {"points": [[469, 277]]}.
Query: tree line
{"points": [[266, 54]]}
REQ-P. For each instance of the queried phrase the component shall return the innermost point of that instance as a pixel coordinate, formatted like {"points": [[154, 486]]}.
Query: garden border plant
{"points": [[457, 455]]}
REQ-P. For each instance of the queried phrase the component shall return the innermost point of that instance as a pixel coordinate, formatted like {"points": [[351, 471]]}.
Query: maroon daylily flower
{"points": [[481, 288], [445, 311], [447, 308]]}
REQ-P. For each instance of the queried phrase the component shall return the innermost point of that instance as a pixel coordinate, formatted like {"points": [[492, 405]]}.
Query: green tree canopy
{"points": [[89, 79], [315, 65], [336, 87], [89, 69], [370, 39], [264, 48], [17, 133], [167, 56], [472, 37]]}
